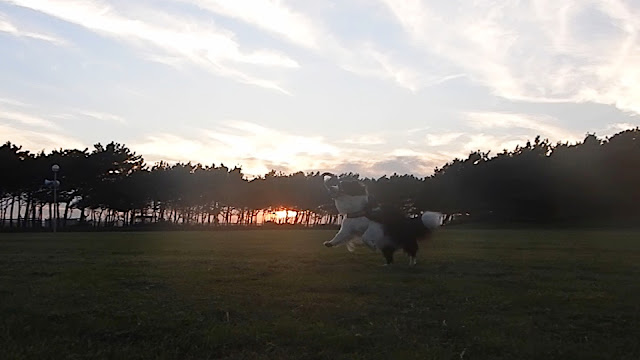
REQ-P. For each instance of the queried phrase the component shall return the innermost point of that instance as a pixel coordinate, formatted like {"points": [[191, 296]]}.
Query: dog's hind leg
{"points": [[411, 248], [373, 233], [388, 254]]}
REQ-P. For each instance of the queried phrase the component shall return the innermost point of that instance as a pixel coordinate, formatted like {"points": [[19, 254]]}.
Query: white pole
{"points": [[55, 201], [55, 168]]}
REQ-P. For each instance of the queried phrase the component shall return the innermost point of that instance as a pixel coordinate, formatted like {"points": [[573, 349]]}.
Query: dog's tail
{"points": [[431, 220]]}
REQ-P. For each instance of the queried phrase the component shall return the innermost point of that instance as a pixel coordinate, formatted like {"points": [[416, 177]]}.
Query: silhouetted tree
{"points": [[595, 180]]}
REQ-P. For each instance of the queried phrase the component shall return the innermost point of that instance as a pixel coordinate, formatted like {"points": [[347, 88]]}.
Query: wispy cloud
{"points": [[179, 38], [614, 128], [367, 60], [38, 139], [13, 102], [240, 143], [622, 126], [534, 125], [102, 116], [399, 161], [20, 112], [531, 53], [442, 138], [488, 142], [26, 119], [8, 27], [198, 42], [270, 15], [538, 50], [172, 148], [248, 140], [365, 140], [259, 149], [25, 125], [280, 19]]}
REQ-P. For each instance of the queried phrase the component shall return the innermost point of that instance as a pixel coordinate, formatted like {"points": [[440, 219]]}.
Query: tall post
{"points": [[55, 169]]}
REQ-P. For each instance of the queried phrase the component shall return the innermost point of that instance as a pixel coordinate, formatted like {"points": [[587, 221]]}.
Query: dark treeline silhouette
{"points": [[596, 181], [593, 181], [111, 186]]}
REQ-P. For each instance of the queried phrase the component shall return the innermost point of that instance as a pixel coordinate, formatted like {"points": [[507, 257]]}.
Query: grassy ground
{"points": [[476, 294]]}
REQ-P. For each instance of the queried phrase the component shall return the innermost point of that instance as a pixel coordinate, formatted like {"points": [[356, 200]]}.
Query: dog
{"points": [[376, 227]]}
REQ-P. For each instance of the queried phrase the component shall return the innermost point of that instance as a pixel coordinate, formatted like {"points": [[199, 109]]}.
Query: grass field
{"points": [[475, 294]]}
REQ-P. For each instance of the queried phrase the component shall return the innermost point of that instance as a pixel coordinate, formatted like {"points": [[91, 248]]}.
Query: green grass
{"points": [[476, 294]]}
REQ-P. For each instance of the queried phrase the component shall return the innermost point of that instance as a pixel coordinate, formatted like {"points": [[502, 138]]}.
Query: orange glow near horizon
{"points": [[283, 214], [280, 216]]}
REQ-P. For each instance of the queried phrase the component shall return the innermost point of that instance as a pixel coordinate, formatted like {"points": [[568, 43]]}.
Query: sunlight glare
{"points": [[283, 214]]}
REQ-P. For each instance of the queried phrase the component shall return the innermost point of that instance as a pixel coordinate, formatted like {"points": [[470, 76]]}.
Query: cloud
{"points": [[375, 63], [449, 146], [271, 142], [13, 102], [418, 164], [364, 58], [23, 125], [495, 132], [538, 50], [240, 143], [613, 129], [30, 115], [442, 138], [180, 37], [487, 142], [365, 140], [102, 116], [622, 126], [26, 119], [172, 148], [525, 51], [8, 27], [259, 149], [533, 124], [37, 140], [197, 42], [270, 15]]}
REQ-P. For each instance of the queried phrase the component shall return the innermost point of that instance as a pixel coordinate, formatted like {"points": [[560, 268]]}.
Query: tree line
{"points": [[593, 181]]}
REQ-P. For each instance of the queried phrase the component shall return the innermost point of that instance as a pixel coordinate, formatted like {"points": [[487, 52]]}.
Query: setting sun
{"points": [[281, 216], [284, 214]]}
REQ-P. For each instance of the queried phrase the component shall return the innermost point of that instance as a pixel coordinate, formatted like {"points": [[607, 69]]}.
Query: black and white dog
{"points": [[379, 229]]}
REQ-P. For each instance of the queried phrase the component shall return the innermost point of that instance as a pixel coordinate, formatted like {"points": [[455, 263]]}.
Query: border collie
{"points": [[378, 228]]}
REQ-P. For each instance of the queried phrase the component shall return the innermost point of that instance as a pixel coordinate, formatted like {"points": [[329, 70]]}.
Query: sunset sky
{"points": [[368, 86]]}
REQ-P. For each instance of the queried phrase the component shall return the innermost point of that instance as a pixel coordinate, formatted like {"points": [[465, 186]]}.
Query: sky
{"points": [[372, 87]]}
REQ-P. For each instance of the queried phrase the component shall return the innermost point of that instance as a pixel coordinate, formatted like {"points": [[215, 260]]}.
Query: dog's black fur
{"points": [[404, 231]]}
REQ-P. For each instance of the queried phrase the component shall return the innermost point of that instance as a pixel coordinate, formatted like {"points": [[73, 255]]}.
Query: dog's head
{"points": [[349, 195]]}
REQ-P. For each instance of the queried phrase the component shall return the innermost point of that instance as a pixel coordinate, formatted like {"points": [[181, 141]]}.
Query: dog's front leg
{"points": [[341, 237]]}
